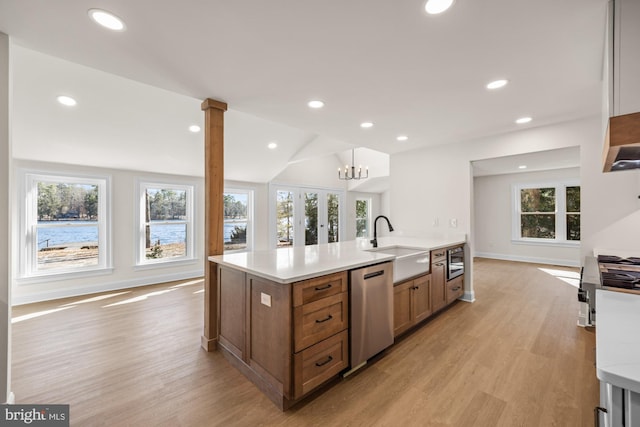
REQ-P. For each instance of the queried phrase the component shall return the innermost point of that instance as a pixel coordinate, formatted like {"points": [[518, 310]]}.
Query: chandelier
{"points": [[350, 171]]}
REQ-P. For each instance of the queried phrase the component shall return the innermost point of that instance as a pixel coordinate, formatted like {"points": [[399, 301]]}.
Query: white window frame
{"points": [[299, 214], [369, 201], [249, 194], [27, 242], [560, 213], [141, 187]]}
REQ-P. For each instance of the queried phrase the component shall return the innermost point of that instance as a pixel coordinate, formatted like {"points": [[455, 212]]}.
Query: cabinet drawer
{"points": [[320, 319], [320, 362], [321, 287], [455, 289], [438, 255]]}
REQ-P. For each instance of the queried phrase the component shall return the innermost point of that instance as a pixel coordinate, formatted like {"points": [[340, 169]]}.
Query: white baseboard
{"points": [[468, 296], [104, 287], [535, 260]]}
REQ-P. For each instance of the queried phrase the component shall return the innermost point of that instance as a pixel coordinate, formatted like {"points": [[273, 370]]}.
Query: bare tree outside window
{"points": [[362, 218]]}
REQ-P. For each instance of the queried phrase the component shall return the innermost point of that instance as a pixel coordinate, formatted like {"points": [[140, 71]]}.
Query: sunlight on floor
{"points": [[570, 277], [37, 314], [189, 283], [139, 298], [199, 292], [93, 299]]}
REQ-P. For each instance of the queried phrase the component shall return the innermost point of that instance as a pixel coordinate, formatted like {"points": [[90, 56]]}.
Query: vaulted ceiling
{"points": [[382, 61]]}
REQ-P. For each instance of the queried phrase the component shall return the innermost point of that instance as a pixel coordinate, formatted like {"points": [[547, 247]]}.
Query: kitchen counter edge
{"points": [[319, 260]]}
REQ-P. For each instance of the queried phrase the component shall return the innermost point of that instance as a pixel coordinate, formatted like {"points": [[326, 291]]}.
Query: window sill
{"points": [[542, 242], [67, 275], [166, 264], [235, 251]]}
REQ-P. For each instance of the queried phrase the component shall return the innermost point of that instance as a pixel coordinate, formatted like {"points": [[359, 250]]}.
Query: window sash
{"points": [[365, 219], [560, 213], [142, 252], [248, 244], [29, 265]]}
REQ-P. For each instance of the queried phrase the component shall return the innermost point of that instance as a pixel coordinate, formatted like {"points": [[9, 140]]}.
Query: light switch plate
{"points": [[265, 299]]}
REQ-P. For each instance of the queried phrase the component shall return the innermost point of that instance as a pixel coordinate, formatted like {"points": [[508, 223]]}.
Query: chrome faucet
{"points": [[375, 229]]}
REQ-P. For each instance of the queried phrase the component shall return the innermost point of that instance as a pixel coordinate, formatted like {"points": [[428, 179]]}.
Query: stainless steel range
{"points": [[618, 273], [609, 272]]}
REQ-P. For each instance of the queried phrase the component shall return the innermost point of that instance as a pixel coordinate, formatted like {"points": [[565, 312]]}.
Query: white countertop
{"points": [[292, 264], [617, 339]]}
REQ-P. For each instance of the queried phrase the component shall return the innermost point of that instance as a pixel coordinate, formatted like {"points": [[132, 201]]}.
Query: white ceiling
{"points": [[376, 60], [538, 161]]}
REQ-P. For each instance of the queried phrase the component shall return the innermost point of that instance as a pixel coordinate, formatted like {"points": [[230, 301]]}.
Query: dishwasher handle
{"points": [[374, 274]]}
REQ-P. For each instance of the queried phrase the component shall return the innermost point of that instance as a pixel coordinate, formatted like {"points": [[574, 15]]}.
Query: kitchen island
{"points": [[284, 313]]}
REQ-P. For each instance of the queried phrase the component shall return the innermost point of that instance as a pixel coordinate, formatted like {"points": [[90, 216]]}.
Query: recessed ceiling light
{"points": [[315, 104], [433, 7], [366, 125], [194, 128], [402, 138], [522, 167], [66, 100], [106, 19], [523, 120], [272, 145], [496, 84]]}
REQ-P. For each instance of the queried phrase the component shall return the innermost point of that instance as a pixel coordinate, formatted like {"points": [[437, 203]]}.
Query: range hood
{"points": [[622, 143]]}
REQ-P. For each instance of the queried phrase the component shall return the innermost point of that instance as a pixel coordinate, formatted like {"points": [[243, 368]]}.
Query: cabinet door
{"points": [[421, 298], [232, 291], [269, 329], [402, 318], [438, 286]]}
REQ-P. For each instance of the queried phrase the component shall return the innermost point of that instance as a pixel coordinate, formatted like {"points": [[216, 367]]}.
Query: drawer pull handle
{"points": [[415, 288], [439, 264], [372, 275], [322, 288], [457, 288], [329, 317], [329, 359]]}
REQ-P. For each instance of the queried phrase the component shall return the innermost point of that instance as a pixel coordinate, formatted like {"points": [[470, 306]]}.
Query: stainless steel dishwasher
{"points": [[371, 312]]}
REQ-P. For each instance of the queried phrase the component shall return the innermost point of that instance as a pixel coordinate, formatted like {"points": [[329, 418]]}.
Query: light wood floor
{"points": [[515, 357]]}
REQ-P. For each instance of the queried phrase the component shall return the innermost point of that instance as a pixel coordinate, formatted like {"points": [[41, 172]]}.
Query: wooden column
{"points": [[214, 221]]}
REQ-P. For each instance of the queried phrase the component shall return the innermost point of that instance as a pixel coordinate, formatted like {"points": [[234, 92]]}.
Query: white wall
{"points": [[124, 238], [436, 183], [321, 172], [5, 253], [493, 210]]}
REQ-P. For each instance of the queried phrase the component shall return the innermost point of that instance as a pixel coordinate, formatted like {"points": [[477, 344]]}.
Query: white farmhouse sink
{"points": [[409, 262]]}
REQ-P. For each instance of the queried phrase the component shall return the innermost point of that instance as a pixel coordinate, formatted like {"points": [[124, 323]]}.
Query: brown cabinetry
{"points": [[438, 280], [411, 303], [402, 316], [321, 338], [287, 338], [455, 289]]}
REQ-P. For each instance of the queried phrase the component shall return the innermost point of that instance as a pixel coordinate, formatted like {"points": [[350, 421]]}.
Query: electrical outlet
{"points": [[265, 299], [435, 222], [453, 223]]}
